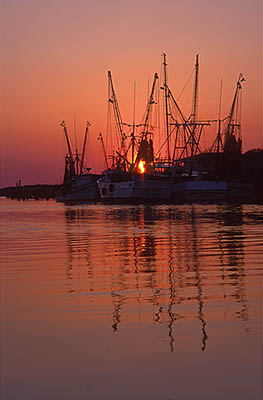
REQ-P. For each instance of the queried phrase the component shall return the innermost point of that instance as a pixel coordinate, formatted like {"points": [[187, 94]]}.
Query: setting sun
{"points": [[141, 167]]}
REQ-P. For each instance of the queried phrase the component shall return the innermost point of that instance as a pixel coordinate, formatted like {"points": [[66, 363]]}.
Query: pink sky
{"points": [[56, 54]]}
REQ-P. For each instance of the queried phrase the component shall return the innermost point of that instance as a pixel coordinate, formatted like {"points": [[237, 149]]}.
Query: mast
{"points": [[145, 151], [219, 138], [195, 97], [117, 113], [166, 95], [104, 151], [63, 124], [194, 106], [84, 147], [190, 140], [149, 106], [185, 123], [233, 143], [76, 159], [69, 159]]}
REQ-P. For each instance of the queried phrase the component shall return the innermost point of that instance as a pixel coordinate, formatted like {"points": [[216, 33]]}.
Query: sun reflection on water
{"points": [[166, 257], [96, 295]]}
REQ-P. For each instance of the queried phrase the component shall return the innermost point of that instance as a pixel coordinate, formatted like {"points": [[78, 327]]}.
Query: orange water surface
{"points": [[131, 302]]}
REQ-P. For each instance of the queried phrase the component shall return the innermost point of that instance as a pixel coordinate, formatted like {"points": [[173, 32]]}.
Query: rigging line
{"points": [[220, 99], [108, 129], [235, 121], [157, 115], [165, 141], [132, 143], [185, 85], [76, 147], [240, 109], [134, 102], [148, 88], [90, 153]]}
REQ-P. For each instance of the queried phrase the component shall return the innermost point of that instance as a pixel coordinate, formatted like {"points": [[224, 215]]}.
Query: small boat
{"points": [[80, 188], [78, 185], [190, 181]]}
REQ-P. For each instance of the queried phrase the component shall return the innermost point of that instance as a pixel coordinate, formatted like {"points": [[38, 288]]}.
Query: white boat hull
{"points": [[116, 190], [139, 187]]}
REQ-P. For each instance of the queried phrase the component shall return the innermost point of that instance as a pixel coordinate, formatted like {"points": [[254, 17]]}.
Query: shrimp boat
{"points": [[190, 182], [181, 173], [213, 176], [138, 183], [133, 187], [227, 148], [78, 185], [135, 180]]}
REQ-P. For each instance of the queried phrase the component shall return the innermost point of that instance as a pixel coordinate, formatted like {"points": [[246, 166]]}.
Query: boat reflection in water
{"points": [[172, 267], [131, 301]]}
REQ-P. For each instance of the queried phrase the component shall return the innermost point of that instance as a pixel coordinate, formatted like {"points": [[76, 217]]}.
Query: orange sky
{"points": [[56, 54]]}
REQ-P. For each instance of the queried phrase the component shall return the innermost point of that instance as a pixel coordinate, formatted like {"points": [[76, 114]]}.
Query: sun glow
{"points": [[141, 166]]}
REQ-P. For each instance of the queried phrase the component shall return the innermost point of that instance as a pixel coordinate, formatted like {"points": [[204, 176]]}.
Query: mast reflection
{"points": [[231, 239], [167, 257], [117, 301], [199, 285]]}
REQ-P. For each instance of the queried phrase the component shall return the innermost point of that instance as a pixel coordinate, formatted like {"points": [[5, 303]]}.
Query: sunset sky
{"points": [[55, 55]]}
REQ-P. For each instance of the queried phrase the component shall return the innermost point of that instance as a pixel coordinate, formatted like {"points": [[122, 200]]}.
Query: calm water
{"points": [[131, 302]]}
